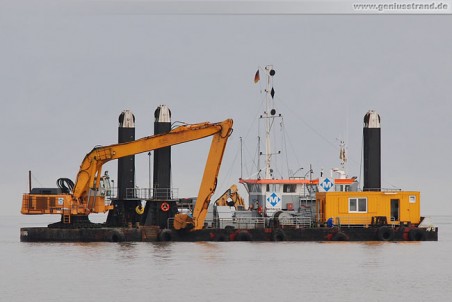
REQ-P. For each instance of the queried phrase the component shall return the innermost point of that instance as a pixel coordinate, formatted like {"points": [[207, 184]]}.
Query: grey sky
{"points": [[66, 75]]}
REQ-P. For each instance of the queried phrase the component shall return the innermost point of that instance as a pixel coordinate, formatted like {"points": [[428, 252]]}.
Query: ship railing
{"points": [[297, 221], [152, 193], [382, 189], [249, 222], [352, 221], [236, 223], [391, 189], [222, 223], [319, 219], [208, 223]]}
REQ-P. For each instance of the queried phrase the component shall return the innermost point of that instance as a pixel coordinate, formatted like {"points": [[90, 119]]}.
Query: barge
{"points": [[326, 208]]}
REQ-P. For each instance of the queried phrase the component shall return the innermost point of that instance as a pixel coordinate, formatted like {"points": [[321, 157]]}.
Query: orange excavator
{"points": [[87, 194]]}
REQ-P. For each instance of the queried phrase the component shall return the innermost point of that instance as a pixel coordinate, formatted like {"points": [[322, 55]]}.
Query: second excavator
{"points": [[232, 198]]}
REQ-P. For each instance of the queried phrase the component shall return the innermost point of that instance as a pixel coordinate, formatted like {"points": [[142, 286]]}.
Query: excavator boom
{"points": [[92, 163]]}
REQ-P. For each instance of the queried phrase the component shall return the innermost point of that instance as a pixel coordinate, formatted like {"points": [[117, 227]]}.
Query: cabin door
{"points": [[395, 209]]}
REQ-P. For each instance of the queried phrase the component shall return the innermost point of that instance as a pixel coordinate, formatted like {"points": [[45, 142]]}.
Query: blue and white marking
{"points": [[326, 185]]}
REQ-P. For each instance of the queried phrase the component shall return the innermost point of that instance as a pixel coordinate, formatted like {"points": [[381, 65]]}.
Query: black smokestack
{"points": [[124, 209], [162, 156], [126, 165], [372, 152]]}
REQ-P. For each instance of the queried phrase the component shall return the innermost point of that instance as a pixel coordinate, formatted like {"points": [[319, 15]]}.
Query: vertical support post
{"points": [[372, 151], [162, 156], [29, 181], [124, 210]]}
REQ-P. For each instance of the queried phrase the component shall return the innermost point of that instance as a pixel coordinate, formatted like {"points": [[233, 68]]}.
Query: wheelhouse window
{"points": [[254, 187], [272, 188], [357, 205], [289, 188], [342, 188]]}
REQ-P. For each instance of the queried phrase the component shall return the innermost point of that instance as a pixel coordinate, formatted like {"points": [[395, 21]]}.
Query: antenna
{"points": [[29, 181], [241, 158], [259, 156], [342, 154]]}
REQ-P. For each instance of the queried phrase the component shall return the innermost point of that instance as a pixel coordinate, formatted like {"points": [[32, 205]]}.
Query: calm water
{"points": [[223, 271]]}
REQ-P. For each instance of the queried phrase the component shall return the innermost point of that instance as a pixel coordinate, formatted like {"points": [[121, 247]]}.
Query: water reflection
{"points": [[212, 252], [128, 250], [282, 271], [162, 251]]}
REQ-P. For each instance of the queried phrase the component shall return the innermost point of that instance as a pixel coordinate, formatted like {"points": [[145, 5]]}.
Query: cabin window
{"points": [[289, 188], [255, 188], [357, 205], [342, 188], [272, 188]]}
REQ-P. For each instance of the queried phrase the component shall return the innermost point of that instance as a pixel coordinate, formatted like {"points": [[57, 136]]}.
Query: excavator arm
{"points": [[209, 179], [85, 198]]}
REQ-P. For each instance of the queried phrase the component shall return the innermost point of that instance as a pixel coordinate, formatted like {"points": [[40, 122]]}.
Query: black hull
{"points": [[152, 234]]}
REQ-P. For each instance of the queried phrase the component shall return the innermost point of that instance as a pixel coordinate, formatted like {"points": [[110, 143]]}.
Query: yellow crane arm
{"points": [[209, 179], [89, 174]]}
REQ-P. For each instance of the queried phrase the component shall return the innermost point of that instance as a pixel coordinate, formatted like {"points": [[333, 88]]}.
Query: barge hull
{"points": [[152, 234]]}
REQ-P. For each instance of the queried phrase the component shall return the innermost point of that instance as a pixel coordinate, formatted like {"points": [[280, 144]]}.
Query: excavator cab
{"points": [[105, 185]]}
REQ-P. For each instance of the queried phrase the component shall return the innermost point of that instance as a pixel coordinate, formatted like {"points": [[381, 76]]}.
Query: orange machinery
{"points": [[88, 196]]}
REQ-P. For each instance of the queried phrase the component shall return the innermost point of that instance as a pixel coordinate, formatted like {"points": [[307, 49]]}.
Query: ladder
{"points": [[66, 216], [149, 233]]}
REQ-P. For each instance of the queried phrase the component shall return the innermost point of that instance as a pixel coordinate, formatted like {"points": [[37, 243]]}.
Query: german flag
{"points": [[257, 77]]}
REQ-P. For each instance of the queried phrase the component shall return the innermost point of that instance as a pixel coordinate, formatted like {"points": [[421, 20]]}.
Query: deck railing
{"points": [[352, 220], [152, 193], [297, 221], [252, 222], [249, 222]]}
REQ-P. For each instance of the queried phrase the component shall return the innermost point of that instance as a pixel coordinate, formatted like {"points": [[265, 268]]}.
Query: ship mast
{"points": [[267, 125], [268, 115]]}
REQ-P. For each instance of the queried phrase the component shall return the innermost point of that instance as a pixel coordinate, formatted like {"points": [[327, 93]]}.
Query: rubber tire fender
{"points": [[385, 233], [166, 235], [417, 235], [221, 237], [279, 235], [115, 236], [243, 236], [339, 236]]}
